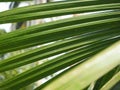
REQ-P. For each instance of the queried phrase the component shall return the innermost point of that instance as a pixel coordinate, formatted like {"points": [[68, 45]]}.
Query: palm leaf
{"points": [[73, 40], [57, 12], [79, 77], [103, 80]]}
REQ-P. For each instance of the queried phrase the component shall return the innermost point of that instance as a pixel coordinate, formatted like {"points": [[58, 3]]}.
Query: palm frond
{"points": [[78, 42]]}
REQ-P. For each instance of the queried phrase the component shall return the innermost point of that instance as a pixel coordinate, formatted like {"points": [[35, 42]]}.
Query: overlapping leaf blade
{"points": [[103, 80], [58, 47], [21, 42], [52, 66], [53, 6], [53, 13], [79, 77]]}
